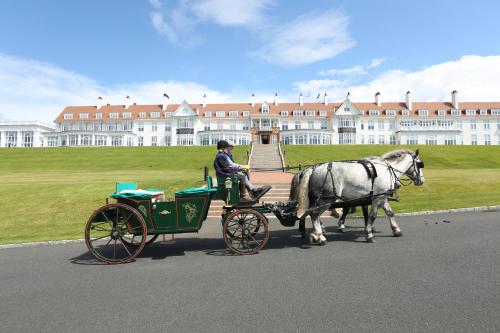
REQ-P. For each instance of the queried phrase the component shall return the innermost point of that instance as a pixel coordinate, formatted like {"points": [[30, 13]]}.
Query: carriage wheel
{"points": [[246, 231], [135, 240], [106, 229]]}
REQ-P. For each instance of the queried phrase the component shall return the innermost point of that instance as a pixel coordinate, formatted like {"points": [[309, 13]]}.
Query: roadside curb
{"points": [[428, 212]]}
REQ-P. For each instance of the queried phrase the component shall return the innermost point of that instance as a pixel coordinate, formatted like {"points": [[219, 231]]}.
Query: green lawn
{"points": [[456, 176], [48, 193]]}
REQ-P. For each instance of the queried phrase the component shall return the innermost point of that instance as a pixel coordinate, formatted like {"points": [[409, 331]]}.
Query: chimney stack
{"points": [[408, 100], [348, 95], [204, 100], [165, 102], [253, 99], [127, 102], [377, 99], [325, 99], [100, 102], [301, 99], [276, 99], [454, 99]]}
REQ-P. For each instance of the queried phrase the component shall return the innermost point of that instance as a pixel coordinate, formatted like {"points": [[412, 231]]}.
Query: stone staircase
{"points": [[266, 157]]}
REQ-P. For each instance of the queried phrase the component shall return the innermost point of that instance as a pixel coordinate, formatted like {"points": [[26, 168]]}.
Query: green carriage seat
{"points": [[130, 191]]}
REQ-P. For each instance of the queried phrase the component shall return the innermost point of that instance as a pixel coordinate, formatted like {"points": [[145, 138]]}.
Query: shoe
{"points": [[259, 192]]}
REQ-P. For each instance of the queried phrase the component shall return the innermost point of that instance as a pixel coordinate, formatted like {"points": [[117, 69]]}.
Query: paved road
{"points": [[441, 276]]}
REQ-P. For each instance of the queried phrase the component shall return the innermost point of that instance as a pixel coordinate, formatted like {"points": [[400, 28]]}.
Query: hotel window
{"points": [[371, 125], [301, 139], [284, 125], [310, 113], [483, 112], [220, 114], [246, 114], [86, 140], [208, 114], [487, 139], [373, 112], [154, 127], [430, 140], [232, 125], [52, 141], [84, 116], [113, 115], [381, 125], [100, 140], [456, 112], [185, 123], [426, 123], [346, 122], [371, 139], [142, 114], [445, 123], [412, 140], [441, 113], [390, 113], [265, 108], [155, 114], [233, 114], [495, 112], [68, 116], [116, 140], [392, 125], [98, 115], [185, 140], [392, 139], [140, 127], [127, 115], [470, 112], [112, 127], [154, 141], [246, 125], [27, 137], [284, 113], [450, 140], [168, 114], [381, 139], [362, 124], [324, 125], [140, 141], [207, 126], [405, 113], [310, 124], [473, 125], [486, 124], [297, 113], [96, 127], [168, 126], [297, 125], [127, 126], [130, 141], [473, 139], [168, 140], [322, 113], [423, 113]]}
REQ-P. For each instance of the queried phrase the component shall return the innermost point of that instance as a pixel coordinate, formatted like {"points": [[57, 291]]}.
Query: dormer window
{"points": [[208, 114], [441, 113], [495, 112], [483, 112], [233, 114], [98, 115], [84, 116], [390, 113], [310, 113], [322, 113], [456, 112], [142, 114], [373, 112], [470, 112], [423, 113], [68, 116], [127, 115], [284, 113], [155, 114], [405, 113], [220, 114], [297, 113], [265, 108], [246, 113], [168, 114], [113, 115]]}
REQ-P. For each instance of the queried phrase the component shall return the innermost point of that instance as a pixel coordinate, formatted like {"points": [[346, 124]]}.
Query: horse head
{"points": [[414, 171]]}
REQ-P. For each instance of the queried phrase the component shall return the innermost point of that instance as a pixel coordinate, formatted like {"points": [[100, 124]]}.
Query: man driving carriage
{"points": [[225, 166]]}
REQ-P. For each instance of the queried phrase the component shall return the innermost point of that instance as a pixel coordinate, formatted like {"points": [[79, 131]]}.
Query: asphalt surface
{"points": [[443, 275]]}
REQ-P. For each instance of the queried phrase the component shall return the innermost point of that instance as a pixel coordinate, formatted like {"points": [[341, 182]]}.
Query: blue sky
{"points": [[69, 52]]}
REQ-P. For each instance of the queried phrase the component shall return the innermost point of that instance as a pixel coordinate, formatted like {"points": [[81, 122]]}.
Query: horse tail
{"points": [[303, 194], [293, 186]]}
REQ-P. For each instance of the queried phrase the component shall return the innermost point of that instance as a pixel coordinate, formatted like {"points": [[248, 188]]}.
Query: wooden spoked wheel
{"points": [[135, 240], [107, 228], [246, 231]]}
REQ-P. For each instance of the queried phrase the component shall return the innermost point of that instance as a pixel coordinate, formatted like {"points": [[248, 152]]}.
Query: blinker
{"points": [[420, 165]]}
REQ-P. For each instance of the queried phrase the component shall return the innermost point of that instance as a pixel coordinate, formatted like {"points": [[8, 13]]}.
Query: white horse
{"points": [[346, 181]]}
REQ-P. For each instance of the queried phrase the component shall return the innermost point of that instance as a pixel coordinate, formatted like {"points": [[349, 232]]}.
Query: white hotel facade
{"points": [[346, 122]]}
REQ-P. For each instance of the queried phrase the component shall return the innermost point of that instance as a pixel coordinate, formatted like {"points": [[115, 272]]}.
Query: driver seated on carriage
{"points": [[225, 167]]}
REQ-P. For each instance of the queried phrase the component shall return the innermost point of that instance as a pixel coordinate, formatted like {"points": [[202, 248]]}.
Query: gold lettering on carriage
{"points": [[165, 212], [190, 211]]}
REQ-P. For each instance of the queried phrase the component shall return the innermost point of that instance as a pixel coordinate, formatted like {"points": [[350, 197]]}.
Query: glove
{"points": [[245, 167]]}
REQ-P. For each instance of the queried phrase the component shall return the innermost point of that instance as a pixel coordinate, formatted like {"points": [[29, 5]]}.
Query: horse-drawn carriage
{"points": [[118, 232]]}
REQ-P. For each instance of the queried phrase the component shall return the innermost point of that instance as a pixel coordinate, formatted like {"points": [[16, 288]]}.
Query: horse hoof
{"points": [[370, 240], [397, 234], [322, 243], [341, 229]]}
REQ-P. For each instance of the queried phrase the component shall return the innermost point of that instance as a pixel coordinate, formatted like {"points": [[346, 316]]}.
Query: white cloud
{"points": [[33, 90], [355, 70], [309, 38], [230, 12], [477, 78]]}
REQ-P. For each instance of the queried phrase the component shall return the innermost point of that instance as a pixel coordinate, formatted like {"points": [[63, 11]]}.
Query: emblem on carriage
{"points": [[190, 211], [143, 210], [165, 212]]}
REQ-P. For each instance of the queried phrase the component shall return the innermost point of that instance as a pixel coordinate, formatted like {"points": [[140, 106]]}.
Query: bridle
{"points": [[415, 165]]}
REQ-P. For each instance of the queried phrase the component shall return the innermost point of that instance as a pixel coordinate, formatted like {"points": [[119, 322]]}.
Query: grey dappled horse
{"points": [[327, 183]]}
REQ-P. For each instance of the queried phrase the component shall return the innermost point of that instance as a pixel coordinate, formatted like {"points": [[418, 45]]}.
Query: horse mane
{"points": [[396, 154]]}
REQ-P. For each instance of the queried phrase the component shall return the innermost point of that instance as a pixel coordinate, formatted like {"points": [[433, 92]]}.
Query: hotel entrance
{"points": [[264, 139]]}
